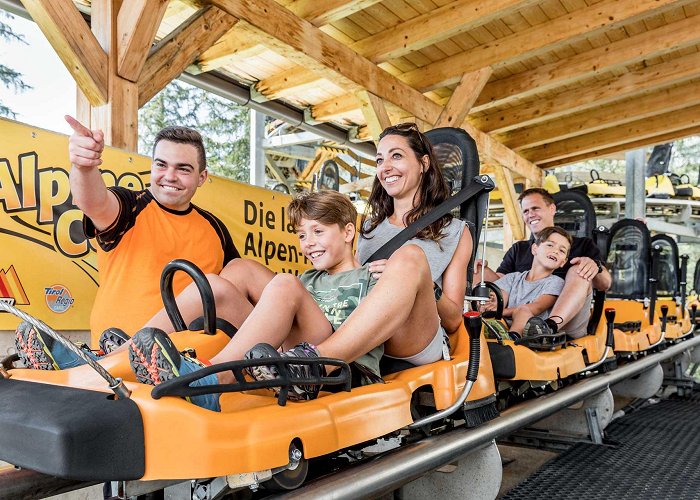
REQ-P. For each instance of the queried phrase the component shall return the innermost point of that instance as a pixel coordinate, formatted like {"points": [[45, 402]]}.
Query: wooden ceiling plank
{"points": [[439, 24], [504, 181], [548, 35], [375, 113], [618, 113], [571, 101], [137, 24], [434, 26], [302, 36], [639, 129], [324, 12], [181, 48], [75, 44], [593, 62], [627, 146], [463, 97]]}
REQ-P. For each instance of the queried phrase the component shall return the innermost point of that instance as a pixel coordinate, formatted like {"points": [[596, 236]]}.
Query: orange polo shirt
{"points": [[133, 251]]}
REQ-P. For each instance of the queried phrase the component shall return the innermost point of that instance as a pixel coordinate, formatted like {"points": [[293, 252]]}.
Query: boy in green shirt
{"points": [[293, 313]]}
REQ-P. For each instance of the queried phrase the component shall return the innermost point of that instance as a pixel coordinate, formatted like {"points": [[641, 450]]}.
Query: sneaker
{"points": [[39, 351], [535, 327], [269, 372], [111, 339], [537, 334], [155, 359]]}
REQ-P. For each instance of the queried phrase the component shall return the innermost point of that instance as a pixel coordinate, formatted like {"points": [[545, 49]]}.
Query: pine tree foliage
{"points": [[223, 124], [9, 77]]}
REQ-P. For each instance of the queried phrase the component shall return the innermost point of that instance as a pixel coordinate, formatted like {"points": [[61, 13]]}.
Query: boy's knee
{"points": [[522, 309], [572, 278]]}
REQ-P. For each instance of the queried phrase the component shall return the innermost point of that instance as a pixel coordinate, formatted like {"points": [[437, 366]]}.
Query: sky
{"points": [[53, 92]]}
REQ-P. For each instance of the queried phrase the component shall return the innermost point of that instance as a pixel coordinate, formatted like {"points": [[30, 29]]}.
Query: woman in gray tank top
{"points": [[405, 311]]}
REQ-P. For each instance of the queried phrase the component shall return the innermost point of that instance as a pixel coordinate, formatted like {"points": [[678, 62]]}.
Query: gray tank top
{"points": [[439, 253]]}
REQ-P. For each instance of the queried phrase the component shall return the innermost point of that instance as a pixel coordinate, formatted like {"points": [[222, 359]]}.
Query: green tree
{"points": [[8, 76], [223, 124]]}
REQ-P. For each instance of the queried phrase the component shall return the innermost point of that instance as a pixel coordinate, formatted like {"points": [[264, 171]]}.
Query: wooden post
{"points": [[118, 118]]}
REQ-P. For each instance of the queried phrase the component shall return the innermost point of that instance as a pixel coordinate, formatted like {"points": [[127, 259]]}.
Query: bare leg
{"points": [[249, 276], [231, 305], [520, 316], [400, 312], [236, 290], [572, 298], [285, 315]]}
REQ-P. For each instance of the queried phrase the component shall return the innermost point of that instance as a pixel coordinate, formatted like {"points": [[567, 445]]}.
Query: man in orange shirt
{"points": [[138, 233]]}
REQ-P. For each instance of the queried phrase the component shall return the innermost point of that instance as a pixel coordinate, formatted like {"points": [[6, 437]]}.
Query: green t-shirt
{"points": [[338, 295]]}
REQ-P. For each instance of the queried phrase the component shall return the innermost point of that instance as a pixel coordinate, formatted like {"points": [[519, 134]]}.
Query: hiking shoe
{"points": [[34, 348], [39, 351], [112, 338], [269, 372], [535, 327], [537, 334], [155, 359]]}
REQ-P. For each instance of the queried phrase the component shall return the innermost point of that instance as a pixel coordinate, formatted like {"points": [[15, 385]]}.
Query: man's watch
{"points": [[600, 266], [437, 291]]}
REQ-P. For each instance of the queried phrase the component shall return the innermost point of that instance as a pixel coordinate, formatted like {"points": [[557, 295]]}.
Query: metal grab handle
{"points": [[205, 292], [115, 383], [472, 320]]}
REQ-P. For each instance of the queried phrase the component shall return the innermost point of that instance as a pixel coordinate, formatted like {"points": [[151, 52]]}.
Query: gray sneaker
{"points": [[269, 372]]}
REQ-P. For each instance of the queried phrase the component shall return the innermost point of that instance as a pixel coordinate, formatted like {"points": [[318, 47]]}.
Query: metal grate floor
{"points": [[658, 457]]}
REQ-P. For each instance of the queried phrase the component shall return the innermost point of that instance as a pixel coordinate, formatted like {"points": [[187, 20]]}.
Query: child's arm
{"points": [[540, 304]]}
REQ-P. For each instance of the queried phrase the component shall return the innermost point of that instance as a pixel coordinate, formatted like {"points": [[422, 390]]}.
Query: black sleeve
{"points": [[130, 204], [230, 250], [508, 263]]}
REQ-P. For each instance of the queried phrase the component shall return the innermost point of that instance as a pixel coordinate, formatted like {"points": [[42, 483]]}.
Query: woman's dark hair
{"points": [[432, 188]]}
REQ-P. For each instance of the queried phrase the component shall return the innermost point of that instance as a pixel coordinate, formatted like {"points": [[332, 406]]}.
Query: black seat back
{"points": [[669, 266], [629, 259], [575, 213], [457, 156]]}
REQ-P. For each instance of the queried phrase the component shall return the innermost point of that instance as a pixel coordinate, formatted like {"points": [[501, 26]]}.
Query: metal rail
{"points": [[388, 472]]}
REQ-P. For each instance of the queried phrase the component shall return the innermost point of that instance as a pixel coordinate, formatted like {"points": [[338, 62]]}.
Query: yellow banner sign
{"points": [[47, 266]]}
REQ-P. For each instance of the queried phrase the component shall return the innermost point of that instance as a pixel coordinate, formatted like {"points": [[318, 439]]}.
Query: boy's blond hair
{"points": [[326, 207], [544, 235]]}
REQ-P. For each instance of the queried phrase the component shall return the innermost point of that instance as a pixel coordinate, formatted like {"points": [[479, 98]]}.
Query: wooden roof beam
{"points": [[75, 44], [137, 24], [532, 41], [626, 146], [305, 38], [182, 47], [636, 130], [504, 181], [230, 47], [618, 113], [457, 108], [614, 55], [633, 83], [375, 113]]}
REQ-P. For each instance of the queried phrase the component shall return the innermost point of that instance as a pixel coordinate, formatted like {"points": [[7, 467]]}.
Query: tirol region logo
{"points": [[11, 289], [58, 298]]}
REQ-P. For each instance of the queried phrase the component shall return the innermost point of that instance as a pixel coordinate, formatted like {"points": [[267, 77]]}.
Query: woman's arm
{"points": [[454, 284]]}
